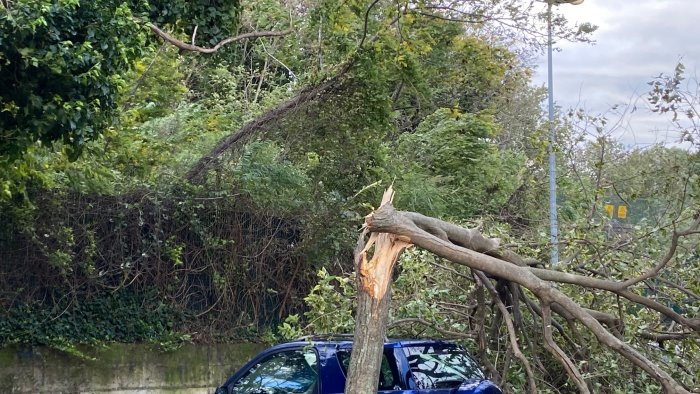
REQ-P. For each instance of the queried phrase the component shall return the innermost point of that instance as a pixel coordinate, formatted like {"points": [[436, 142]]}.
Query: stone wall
{"points": [[122, 369]]}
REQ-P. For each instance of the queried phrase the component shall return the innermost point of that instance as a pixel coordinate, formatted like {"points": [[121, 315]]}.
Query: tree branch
{"points": [[557, 352], [364, 30], [679, 288], [692, 229], [594, 283], [664, 336], [387, 219], [532, 387], [196, 173], [194, 48]]}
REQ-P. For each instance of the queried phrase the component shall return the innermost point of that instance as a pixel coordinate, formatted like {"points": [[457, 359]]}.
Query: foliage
{"points": [[419, 291], [106, 317], [213, 20], [207, 261], [330, 305], [155, 88], [476, 178], [657, 187], [675, 95], [61, 68], [268, 181]]}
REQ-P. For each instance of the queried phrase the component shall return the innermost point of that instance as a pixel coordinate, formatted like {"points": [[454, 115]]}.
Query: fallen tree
{"points": [[490, 261]]}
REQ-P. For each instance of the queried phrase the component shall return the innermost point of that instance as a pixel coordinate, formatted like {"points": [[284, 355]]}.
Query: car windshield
{"points": [[285, 372], [441, 366]]}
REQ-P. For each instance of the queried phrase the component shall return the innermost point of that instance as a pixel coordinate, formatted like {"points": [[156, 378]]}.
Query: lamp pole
{"points": [[553, 219]]}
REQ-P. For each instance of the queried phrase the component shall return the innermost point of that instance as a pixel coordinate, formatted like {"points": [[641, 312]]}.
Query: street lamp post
{"points": [[553, 220]]}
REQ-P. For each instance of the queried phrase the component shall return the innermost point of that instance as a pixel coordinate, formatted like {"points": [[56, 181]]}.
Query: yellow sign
{"points": [[609, 209], [622, 212]]}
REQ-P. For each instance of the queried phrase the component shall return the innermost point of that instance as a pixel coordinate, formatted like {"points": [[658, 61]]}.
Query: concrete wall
{"points": [[122, 369]]}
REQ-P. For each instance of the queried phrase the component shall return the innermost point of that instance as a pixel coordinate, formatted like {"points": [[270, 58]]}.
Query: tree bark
{"points": [[374, 277]]}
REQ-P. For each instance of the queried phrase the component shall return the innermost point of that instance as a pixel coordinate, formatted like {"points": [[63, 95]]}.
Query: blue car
{"points": [[319, 365]]}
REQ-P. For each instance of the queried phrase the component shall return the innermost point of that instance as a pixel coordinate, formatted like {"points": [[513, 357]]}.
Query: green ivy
{"points": [[108, 317]]}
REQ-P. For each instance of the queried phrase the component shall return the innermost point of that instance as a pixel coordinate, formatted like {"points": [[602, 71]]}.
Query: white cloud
{"points": [[636, 41]]}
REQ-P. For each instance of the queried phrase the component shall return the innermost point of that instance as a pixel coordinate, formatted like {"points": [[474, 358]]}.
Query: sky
{"points": [[636, 41]]}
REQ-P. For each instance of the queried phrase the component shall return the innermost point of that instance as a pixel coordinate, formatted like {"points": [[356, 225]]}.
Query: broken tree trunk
{"points": [[374, 277]]}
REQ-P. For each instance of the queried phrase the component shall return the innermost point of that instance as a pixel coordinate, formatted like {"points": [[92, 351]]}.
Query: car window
{"points": [[293, 371], [388, 373], [441, 366]]}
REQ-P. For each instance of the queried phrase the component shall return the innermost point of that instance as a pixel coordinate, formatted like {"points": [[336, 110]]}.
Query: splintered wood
{"points": [[375, 272]]}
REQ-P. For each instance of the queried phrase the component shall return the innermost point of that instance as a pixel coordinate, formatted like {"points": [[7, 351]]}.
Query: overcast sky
{"points": [[636, 40]]}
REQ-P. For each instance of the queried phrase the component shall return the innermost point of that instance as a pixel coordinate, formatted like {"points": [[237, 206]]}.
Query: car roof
{"points": [[347, 340]]}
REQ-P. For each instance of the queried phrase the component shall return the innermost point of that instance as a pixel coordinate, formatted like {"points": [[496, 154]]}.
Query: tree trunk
{"points": [[374, 277], [368, 344]]}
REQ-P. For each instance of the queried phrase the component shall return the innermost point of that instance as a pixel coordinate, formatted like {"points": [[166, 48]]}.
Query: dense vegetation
{"points": [[151, 192]]}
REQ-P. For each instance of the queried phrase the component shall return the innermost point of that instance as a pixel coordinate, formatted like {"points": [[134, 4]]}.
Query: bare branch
{"points": [[665, 336], [536, 311], [364, 30], [452, 271], [194, 33], [558, 353], [532, 387], [481, 331], [194, 48]]}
